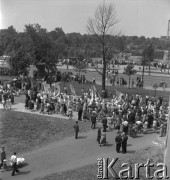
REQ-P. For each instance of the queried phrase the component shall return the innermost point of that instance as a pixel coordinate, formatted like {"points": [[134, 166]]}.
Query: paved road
{"points": [[70, 153]]}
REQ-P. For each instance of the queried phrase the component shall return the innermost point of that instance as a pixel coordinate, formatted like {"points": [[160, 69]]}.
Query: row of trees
{"points": [[37, 45]]}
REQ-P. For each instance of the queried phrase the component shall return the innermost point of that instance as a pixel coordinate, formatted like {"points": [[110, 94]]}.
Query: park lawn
{"points": [[112, 89], [89, 172], [22, 132]]}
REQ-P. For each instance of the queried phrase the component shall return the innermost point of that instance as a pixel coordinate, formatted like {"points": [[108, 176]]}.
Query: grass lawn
{"points": [[23, 132], [112, 89], [155, 154]]}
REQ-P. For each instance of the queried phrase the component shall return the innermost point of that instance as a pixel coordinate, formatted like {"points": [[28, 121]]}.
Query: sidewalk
{"points": [[20, 107]]}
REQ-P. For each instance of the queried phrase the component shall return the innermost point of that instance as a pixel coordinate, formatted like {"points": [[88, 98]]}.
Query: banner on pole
{"points": [[57, 88], [119, 94], [72, 90], [96, 94]]}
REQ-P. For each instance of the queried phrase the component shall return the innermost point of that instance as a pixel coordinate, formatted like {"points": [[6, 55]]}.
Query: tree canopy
{"points": [[129, 71], [36, 44]]}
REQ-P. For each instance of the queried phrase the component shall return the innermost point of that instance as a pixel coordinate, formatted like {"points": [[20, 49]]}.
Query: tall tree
{"points": [[44, 47], [129, 71], [148, 55], [101, 25], [20, 54], [81, 64]]}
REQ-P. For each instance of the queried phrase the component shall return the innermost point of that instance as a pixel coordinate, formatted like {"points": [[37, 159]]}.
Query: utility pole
{"points": [[168, 29], [168, 39]]}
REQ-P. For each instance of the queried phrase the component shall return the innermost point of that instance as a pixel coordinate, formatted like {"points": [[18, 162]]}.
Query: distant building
{"points": [[164, 38], [97, 60]]}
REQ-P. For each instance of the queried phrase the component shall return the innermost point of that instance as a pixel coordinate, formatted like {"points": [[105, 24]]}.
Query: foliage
{"points": [[49, 47], [159, 54], [163, 85], [80, 65], [129, 70], [20, 54], [155, 86], [148, 54]]}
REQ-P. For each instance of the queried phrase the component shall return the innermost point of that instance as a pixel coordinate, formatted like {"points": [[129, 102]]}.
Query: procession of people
{"points": [[128, 113]]}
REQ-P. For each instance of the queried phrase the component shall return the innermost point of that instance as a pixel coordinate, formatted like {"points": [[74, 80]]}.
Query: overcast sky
{"points": [[137, 17]]}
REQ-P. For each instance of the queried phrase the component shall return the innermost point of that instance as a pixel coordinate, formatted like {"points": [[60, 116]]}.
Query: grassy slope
{"points": [[155, 154], [23, 132]]}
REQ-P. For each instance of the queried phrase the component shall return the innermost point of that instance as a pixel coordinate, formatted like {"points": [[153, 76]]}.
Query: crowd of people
{"points": [[123, 112], [128, 114]]}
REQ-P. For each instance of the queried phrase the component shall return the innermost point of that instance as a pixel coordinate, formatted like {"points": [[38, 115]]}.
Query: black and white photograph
{"points": [[84, 89]]}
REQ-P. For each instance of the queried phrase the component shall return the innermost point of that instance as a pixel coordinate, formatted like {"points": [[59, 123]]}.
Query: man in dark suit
{"points": [[80, 112], [76, 129], [3, 157], [93, 120], [104, 122], [118, 140], [124, 143]]}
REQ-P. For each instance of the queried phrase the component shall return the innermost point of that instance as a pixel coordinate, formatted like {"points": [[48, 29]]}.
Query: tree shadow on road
{"points": [[109, 144], [131, 151], [82, 137], [23, 172]]}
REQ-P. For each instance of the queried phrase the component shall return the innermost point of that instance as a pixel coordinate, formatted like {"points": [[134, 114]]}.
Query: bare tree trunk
{"points": [[129, 81], [104, 73], [104, 65], [104, 79], [143, 74]]}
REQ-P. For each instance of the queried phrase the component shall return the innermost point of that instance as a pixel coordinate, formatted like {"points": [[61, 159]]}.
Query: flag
{"points": [[44, 86], [72, 90], [119, 94], [57, 88], [96, 94]]}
